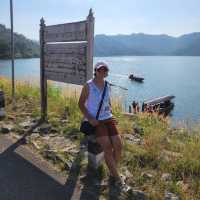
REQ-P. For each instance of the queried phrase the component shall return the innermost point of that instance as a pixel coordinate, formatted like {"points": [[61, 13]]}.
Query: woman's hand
{"points": [[115, 121], [93, 121]]}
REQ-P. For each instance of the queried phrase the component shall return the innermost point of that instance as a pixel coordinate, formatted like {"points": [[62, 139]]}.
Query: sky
{"points": [[171, 17]]}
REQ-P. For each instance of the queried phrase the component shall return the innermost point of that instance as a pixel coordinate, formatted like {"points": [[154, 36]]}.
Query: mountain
{"points": [[144, 44], [24, 48], [113, 45]]}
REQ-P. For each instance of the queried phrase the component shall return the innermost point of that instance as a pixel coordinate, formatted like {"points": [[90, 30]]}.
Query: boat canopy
{"points": [[159, 100]]}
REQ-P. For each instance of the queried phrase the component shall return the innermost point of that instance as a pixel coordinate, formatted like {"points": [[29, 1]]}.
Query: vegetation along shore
{"points": [[159, 162]]}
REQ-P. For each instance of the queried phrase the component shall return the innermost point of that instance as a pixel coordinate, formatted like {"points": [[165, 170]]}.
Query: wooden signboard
{"points": [[66, 54], [66, 62], [66, 32]]}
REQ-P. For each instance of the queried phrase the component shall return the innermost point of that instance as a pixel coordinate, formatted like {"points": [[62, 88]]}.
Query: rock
{"points": [[61, 144], [2, 114], [129, 137], [54, 130], [138, 194], [37, 145], [166, 177], [35, 120], [6, 129], [171, 196], [71, 150], [64, 121], [138, 130], [58, 158], [50, 154], [52, 135], [45, 128], [147, 176], [132, 139], [126, 172], [11, 117], [46, 137], [137, 141], [74, 136], [25, 124], [18, 137], [36, 130], [68, 165], [33, 137]]}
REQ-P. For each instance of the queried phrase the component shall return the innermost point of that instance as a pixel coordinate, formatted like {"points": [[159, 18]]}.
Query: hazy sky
{"points": [[172, 17]]}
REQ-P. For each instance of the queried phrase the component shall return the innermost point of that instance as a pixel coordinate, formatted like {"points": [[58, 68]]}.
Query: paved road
{"points": [[25, 176]]}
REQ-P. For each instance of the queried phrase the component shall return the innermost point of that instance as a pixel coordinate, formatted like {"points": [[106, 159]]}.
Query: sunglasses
{"points": [[103, 69]]}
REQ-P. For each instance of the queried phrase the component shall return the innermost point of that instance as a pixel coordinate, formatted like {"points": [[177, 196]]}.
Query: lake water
{"points": [[179, 76]]}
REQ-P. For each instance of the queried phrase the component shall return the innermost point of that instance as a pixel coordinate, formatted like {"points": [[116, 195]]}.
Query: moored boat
{"points": [[136, 78], [162, 105]]}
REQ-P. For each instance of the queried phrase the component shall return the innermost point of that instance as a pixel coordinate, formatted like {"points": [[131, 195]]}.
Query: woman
{"points": [[106, 132]]}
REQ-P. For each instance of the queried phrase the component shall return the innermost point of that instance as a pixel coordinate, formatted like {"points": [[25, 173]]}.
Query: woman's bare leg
{"points": [[106, 145], [117, 147]]}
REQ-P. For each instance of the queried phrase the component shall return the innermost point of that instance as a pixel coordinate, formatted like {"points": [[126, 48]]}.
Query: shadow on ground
{"points": [[21, 180], [91, 185]]}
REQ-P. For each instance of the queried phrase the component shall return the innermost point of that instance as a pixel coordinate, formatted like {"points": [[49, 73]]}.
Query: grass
{"points": [[163, 149]]}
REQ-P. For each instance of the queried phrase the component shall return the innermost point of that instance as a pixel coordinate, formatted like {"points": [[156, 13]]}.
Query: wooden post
{"points": [[12, 55], [90, 46], [43, 81]]}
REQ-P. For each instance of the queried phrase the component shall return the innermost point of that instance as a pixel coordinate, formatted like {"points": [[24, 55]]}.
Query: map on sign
{"points": [[66, 62]]}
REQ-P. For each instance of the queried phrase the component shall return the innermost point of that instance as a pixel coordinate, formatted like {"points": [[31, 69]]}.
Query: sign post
{"points": [[43, 82], [90, 40], [66, 54]]}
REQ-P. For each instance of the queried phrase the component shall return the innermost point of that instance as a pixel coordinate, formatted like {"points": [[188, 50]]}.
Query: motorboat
{"points": [[136, 78]]}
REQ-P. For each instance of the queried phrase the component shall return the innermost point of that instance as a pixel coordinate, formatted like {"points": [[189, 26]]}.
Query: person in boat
{"points": [[135, 106], [106, 132], [144, 107], [131, 76]]}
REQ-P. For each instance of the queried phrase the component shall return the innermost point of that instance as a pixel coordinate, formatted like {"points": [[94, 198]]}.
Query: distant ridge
{"points": [[147, 45], [24, 48], [139, 44]]}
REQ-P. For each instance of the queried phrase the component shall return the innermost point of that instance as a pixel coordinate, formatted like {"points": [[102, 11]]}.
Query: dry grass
{"points": [[163, 149]]}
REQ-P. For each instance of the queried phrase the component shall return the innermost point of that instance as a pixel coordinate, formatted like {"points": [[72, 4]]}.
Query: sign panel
{"points": [[66, 62], [66, 32]]}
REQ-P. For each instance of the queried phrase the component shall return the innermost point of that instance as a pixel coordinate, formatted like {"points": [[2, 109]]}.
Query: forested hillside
{"points": [[24, 48]]}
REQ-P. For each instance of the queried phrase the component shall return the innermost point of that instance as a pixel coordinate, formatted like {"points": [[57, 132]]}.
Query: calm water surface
{"points": [[163, 75]]}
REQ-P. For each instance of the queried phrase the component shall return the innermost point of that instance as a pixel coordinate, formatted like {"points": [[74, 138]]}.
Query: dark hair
{"points": [[95, 72]]}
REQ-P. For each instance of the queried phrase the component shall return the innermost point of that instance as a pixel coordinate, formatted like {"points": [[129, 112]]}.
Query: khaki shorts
{"points": [[106, 128]]}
